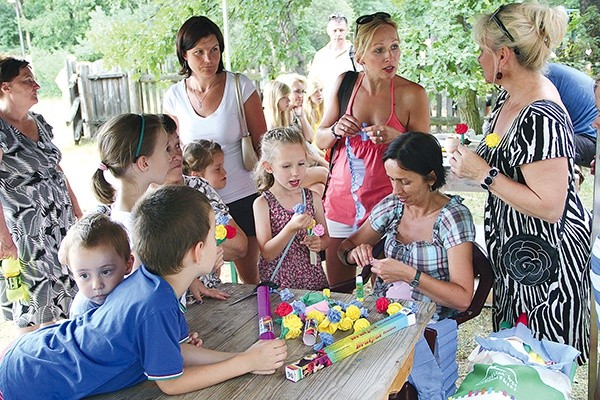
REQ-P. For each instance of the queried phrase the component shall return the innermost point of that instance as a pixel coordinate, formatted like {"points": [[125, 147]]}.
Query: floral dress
{"points": [[558, 308], [38, 213], [296, 271]]}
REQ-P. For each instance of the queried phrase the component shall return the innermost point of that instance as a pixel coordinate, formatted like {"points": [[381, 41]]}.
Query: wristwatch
{"points": [[489, 179], [415, 282], [333, 131]]}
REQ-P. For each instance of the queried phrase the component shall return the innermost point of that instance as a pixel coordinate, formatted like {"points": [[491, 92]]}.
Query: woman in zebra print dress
{"points": [[526, 164], [38, 205]]}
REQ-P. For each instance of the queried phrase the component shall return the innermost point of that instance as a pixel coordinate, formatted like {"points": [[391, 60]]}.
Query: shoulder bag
{"points": [[249, 157]]}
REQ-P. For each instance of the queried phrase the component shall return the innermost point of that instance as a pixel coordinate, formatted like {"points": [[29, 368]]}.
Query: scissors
{"points": [[272, 287]]}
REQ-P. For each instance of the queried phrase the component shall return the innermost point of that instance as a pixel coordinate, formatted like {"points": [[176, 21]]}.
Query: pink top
{"points": [[376, 184]]}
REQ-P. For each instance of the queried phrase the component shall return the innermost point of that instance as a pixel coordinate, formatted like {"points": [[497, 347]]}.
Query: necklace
{"points": [[201, 100]]}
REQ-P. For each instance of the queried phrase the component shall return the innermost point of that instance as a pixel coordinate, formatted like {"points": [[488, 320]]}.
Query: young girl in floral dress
{"points": [[289, 218]]}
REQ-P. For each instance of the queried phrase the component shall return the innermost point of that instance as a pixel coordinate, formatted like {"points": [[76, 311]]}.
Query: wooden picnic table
{"points": [[372, 373]]}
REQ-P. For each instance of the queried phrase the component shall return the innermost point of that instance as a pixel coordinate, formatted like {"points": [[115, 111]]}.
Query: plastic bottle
{"points": [[15, 289], [360, 293]]}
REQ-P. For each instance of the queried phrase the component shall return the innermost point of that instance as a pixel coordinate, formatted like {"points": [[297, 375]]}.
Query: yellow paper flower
{"points": [[220, 232], [327, 292], [323, 325], [353, 312], [345, 324], [393, 308], [314, 314], [337, 307], [293, 333], [361, 324], [331, 328], [292, 322], [492, 140], [312, 224]]}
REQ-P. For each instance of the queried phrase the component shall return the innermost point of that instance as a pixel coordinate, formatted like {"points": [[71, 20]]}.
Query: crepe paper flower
{"points": [[356, 303], [222, 220], [326, 340], [328, 327], [492, 140], [283, 309], [393, 308], [314, 314], [220, 234], [286, 295], [382, 304], [299, 307], [327, 292], [353, 313], [361, 324], [318, 230], [313, 223], [231, 231], [364, 313], [346, 324], [292, 324], [334, 315], [461, 129], [299, 208]]}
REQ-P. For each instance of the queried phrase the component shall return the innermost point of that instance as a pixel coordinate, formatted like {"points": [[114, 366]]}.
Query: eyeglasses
{"points": [[298, 91], [365, 19], [336, 16], [505, 31]]}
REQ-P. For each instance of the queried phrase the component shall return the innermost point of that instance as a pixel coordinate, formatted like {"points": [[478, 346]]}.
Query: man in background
{"points": [[336, 57]]}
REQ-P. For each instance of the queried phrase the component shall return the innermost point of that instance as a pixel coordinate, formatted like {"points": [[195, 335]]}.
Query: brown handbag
{"points": [[249, 157]]}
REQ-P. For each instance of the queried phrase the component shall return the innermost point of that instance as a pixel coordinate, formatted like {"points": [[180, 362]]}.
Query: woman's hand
{"points": [[381, 134], [347, 126], [466, 164], [391, 270], [8, 248], [361, 255]]}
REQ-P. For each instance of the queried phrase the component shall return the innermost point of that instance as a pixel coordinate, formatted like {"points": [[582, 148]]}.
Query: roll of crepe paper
{"points": [[310, 332], [349, 345], [265, 322]]}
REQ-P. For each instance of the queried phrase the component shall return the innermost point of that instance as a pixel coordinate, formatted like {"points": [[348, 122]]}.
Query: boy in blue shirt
{"points": [[140, 331]]}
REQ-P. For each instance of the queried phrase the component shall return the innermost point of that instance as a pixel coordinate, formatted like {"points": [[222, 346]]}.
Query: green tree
{"points": [[8, 28]]}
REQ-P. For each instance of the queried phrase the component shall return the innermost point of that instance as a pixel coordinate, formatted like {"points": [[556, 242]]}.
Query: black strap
{"points": [[343, 95], [351, 53]]}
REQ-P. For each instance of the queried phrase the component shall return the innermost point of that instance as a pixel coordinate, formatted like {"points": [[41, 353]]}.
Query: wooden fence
{"points": [[97, 95]]}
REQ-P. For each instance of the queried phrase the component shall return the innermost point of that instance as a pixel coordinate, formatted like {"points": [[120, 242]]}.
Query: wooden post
{"points": [[135, 95]]}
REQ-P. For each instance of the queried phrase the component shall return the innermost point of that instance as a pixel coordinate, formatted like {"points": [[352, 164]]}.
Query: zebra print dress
{"points": [[558, 309], [38, 212]]}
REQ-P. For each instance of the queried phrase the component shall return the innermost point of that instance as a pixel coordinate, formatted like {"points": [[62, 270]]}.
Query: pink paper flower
{"points": [[319, 230]]}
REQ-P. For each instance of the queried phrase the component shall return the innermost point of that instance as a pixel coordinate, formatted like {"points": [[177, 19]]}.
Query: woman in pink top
{"points": [[382, 106]]}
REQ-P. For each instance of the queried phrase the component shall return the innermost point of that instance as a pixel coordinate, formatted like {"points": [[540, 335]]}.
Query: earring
{"points": [[499, 76]]}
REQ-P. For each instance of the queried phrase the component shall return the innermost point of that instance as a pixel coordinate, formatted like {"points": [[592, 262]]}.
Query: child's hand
{"points": [[195, 339], [266, 356], [300, 221], [214, 293], [313, 243]]}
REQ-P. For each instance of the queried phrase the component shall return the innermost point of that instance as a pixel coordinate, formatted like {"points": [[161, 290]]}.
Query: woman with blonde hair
{"points": [[276, 104], [314, 106], [370, 109], [526, 165]]}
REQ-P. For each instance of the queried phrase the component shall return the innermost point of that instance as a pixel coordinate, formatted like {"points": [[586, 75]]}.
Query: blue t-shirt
{"points": [[81, 304], [134, 336], [576, 91]]}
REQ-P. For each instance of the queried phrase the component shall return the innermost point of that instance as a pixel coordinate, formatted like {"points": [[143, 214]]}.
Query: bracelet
{"points": [[489, 179], [346, 252], [333, 131]]}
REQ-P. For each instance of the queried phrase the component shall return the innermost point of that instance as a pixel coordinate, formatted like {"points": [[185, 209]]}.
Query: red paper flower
{"points": [[283, 309], [461, 129], [382, 304], [231, 232]]}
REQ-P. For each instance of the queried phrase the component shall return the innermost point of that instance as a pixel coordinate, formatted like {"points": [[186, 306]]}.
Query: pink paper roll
{"points": [[265, 322]]}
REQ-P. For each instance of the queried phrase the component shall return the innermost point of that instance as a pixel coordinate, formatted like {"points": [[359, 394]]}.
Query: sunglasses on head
{"points": [[337, 16], [365, 19], [494, 17]]}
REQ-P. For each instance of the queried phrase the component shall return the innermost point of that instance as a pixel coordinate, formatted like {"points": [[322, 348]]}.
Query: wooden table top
{"points": [[367, 374]]}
